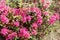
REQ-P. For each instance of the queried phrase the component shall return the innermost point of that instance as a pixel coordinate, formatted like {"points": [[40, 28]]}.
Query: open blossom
{"points": [[45, 6], [39, 20], [37, 10], [34, 25], [45, 13], [4, 8], [41, 34], [16, 12], [10, 36], [24, 33], [5, 13], [4, 31], [42, 1], [34, 32], [24, 19], [22, 13], [11, 23], [2, 2], [56, 15], [38, 13], [29, 18], [33, 9], [16, 23], [53, 18], [4, 19]]}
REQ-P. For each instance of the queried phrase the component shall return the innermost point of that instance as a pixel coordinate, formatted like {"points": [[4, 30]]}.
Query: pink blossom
{"points": [[45, 6], [38, 12], [24, 19], [4, 31], [16, 23], [23, 14], [29, 18], [45, 13], [34, 32], [24, 33], [39, 20], [11, 23], [41, 34], [34, 25], [4, 19], [12, 10], [33, 9], [16, 12], [56, 15], [2, 2], [42, 1], [4, 8], [10, 36], [1, 8], [5, 13], [52, 19]]}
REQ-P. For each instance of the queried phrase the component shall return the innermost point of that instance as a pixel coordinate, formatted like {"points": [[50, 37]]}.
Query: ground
{"points": [[54, 34]]}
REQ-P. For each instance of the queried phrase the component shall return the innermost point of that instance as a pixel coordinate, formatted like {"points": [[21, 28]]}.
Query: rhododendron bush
{"points": [[20, 23]]}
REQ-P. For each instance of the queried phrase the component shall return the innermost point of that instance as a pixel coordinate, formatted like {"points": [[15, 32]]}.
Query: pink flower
{"points": [[33, 9], [29, 18], [41, 34], [45, 6], [42, 1], [4, 31], [24, 33], [39, 20], [4, 8], [56, 15], [45, 13], [12, 10], [2, 2], [24, 19], [16, 12], [4, 19], [34, 25], [10, 36], [52, 19], [34, 32], [1, 8], [23, 14], [16, 23], [11, 23], [37, 10], [5, 13]]}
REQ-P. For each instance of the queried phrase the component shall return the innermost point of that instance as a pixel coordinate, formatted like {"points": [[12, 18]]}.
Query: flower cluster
{"points": [[23, 23]]}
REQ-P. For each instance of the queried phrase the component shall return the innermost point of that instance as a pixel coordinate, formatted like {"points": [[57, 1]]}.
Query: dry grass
{"points": [[55, 33]]}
